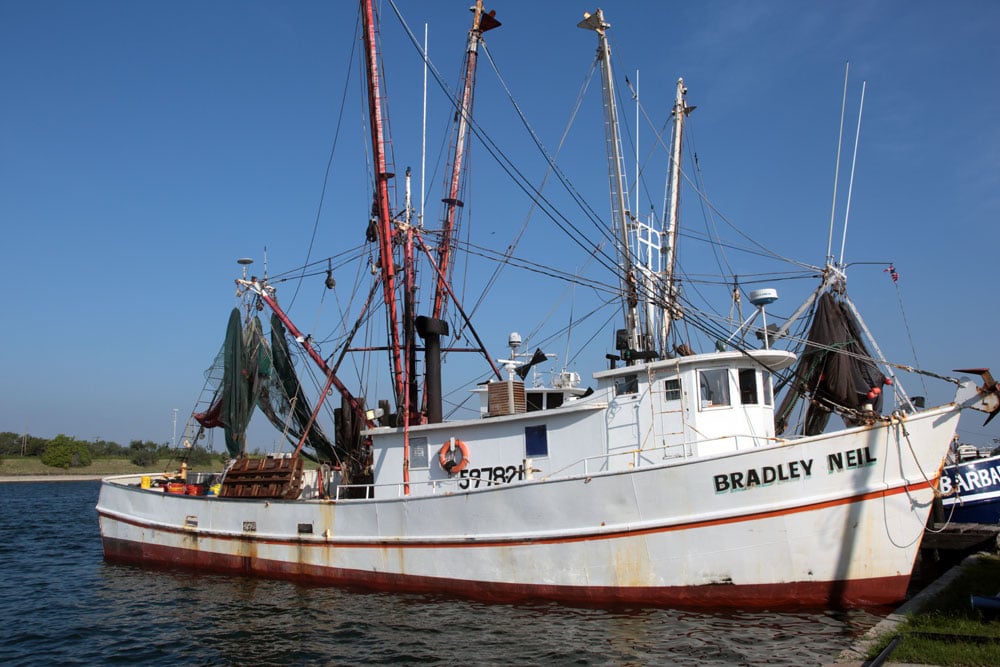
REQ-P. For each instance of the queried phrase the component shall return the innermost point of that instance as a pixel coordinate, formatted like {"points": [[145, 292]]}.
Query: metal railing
{"points": [[601, 463]]}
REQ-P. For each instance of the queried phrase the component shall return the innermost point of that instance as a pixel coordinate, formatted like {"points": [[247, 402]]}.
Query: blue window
{"points": [[536, 441], [418, 452]]}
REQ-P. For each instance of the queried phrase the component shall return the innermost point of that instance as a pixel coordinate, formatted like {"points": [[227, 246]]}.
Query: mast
{"points": [[680, 112], [380, 204], [636, 341], [481, 22]]}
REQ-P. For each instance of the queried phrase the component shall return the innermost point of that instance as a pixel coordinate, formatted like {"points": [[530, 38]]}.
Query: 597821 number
{"points": [[489, 476]]}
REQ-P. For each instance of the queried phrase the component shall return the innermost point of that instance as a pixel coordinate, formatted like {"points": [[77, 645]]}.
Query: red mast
{"points": [[380, 203], [481, 22]]}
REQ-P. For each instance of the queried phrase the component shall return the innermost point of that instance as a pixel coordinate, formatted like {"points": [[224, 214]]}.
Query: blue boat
{"points": [[970, 486]]}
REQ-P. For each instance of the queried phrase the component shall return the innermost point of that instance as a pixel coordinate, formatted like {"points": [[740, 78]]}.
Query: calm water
{"points": [[61, 604]]}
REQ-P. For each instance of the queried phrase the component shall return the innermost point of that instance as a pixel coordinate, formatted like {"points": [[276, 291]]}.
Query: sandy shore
{"points": [[50, 478]]}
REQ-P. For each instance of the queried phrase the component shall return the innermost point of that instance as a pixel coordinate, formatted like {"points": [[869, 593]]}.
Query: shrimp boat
{"points": [[672, 479]]}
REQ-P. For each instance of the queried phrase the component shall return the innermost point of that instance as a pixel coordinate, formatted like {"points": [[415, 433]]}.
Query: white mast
{"points": [[619, 213], [671, 310]]}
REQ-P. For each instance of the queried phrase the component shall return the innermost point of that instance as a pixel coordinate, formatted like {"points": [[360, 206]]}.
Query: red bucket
{"points": [[176, 487], [195, 489]]}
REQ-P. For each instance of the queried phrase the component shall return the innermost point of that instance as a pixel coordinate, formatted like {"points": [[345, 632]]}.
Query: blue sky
{"points": [[146, 146]]}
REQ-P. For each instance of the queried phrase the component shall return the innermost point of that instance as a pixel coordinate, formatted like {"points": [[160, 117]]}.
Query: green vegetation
{"points": [[27, 455], [947, 630], [66, 452]]}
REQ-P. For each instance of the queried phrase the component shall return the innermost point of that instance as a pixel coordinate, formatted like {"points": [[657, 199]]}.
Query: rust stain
{"points": [[630, 562]]}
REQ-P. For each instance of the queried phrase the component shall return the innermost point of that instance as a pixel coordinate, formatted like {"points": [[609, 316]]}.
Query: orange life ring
{"points": [[447, 462]]}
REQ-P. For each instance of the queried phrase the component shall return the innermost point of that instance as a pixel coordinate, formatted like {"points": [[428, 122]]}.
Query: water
{"points": [[60, 603]]}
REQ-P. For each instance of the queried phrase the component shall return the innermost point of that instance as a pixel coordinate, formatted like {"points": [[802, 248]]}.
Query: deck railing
{"points": [[610, 462]]}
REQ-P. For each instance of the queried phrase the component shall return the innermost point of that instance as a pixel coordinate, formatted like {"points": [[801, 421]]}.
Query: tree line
{"points": [[65, 451]]}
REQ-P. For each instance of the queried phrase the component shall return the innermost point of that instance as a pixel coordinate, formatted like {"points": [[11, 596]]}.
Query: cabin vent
{"points": [[249, 526], [506, 398], [305, 529], [190, 521]]}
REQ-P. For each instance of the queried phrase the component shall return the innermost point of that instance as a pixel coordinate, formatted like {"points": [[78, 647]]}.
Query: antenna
{"points": [[244, 262], [836, 171], [854, 161], [637, 143], [423, 137], [759, 298]]}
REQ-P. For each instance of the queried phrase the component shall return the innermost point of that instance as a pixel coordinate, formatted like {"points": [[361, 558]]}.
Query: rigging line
{"points": [[322, 403], [569, 326], [548, 172], [545, 270], [703, 196], [363, 317], [594, 217], [709, 220], [640, 180], [657, 132], [572, 310], [333, 148], [559, 333], [746, 278], [519, 262], [423, 246], [360, 272], [909, 334], [695, 235], [762, 250], [507, 165], [600, 330], [344, 257], [536, 195]]}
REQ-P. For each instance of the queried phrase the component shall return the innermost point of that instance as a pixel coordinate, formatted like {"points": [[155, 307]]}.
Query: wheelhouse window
{"points": [[748, 386], [537, 400], [418, 453], [672, 389], [628, 384], [768, 389], [714, 387], [536, 441]]}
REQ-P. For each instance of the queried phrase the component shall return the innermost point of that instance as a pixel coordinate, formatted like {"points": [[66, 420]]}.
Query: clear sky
{"points": [[146, 146]]}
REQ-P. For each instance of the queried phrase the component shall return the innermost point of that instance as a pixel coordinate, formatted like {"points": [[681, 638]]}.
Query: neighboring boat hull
{"points": [[817, 533], [971, 491]]}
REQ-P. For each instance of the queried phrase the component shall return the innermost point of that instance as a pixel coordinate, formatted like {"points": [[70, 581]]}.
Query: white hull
{"points": [[659, 534]]}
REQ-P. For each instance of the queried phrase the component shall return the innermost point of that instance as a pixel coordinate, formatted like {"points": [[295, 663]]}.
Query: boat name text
{"points": [[969, 481], [791, 470]]}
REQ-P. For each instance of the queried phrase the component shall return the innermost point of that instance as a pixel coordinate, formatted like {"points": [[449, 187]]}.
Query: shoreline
{"points": [[51, 478]]}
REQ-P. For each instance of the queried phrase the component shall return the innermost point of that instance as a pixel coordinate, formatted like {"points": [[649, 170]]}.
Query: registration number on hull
{"points": [[475, 477]]}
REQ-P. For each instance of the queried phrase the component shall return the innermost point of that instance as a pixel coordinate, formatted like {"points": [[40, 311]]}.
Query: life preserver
{"points": [[447, 462]]}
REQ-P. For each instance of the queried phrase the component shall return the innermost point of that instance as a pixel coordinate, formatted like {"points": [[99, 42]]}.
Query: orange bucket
{"points": [[176, 487]]}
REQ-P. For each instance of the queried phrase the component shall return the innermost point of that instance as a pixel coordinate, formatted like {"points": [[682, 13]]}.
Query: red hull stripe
{"points": [[867, 592], [379, 544]]}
